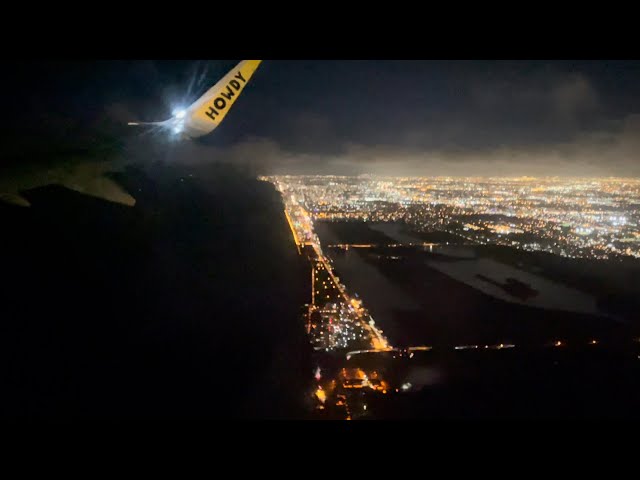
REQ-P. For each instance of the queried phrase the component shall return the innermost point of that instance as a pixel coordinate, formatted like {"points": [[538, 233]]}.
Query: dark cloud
{"points": [[502, 120], [611, 152], [356, 116]]}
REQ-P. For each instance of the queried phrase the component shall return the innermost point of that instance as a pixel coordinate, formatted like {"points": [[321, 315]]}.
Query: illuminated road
{"points": [[293, 230], [377, 339], [303, 234], [386, 245]]}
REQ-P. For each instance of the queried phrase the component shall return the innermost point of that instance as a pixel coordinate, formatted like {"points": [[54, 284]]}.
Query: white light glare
{"points": [[179, 113]]}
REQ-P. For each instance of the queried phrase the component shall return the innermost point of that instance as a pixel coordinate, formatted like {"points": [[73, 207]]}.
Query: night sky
{"points": [[345, 117]]}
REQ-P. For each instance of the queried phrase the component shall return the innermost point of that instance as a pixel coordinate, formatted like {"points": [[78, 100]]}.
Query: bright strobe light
{"points": [[178, 123]]}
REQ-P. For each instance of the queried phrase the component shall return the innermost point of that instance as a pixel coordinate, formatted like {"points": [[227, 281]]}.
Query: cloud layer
{"points": [[451, 118], [596, 153]]}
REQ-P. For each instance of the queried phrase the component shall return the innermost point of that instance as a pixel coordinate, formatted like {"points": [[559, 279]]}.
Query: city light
{"points": [[575, 218], [322, 396]]}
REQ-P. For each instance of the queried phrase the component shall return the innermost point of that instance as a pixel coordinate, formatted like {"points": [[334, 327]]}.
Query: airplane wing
{"points": [[89, 178], [101, 187], [200, 118], [206, 113]]}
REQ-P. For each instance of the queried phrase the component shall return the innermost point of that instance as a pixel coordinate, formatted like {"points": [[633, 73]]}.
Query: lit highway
{"points": [[303, 234], [386, 245], [377, 339]]}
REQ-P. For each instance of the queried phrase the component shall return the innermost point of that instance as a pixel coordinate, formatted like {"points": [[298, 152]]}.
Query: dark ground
{"points": [[185, 305], [534, 380], [453, 313], [350, 232], [549, 383], [615, 283]]}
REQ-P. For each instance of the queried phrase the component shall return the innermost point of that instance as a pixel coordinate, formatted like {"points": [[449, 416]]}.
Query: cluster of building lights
{"points": [[590, 218]]}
